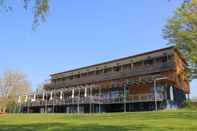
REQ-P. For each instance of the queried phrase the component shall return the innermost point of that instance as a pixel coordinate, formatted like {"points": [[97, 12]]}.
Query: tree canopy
{"points": [[40, 8], [181, 31], [12, 85]]}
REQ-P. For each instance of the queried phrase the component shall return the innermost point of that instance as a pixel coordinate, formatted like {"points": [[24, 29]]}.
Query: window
{"points": [[84, 74], [91, 73], [117, 68], [71, 77], [66, 78], [164, 59], [98, 72], [137, 64], [170, 57], [107, 70], [161, 59], [126, 67], [54, 80], [148, 62], [77, 76], [63, 79]]}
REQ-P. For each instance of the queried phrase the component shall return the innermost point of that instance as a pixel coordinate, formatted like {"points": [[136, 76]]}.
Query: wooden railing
{"points": [[113, 75], [96, 100]]}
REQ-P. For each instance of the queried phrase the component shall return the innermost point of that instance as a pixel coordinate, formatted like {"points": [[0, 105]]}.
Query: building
{"points": [[147, 81]]}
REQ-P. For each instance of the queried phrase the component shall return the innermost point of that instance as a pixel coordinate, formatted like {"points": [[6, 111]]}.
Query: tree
{"points": [[12, 85], [181, 31], [40, 89], [40, 8]]}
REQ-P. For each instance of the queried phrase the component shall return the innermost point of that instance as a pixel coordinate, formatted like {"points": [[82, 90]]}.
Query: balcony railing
{"points": [[113, 75], [96, 100]]}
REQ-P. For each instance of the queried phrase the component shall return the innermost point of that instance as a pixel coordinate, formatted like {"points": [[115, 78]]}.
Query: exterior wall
{"points": [[181, 76]]}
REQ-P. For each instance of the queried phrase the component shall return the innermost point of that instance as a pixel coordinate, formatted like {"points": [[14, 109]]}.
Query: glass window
{"points": [[117, 68]]}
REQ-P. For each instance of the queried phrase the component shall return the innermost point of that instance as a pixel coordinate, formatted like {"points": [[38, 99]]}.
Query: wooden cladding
{"points": [[181, 74], [141, 89]]}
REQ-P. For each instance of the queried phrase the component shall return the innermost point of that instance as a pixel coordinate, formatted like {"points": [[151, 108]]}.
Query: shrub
{"points": [[188, 104]]}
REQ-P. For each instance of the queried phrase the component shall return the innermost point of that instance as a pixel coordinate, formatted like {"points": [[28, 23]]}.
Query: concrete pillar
{"points": [[51, 96], [85, 92], [26, 98], [73, 93], [171, 93], [61, 95], [43, 95], [78, 108]]}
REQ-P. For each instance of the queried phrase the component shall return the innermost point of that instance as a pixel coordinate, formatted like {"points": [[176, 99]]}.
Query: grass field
{"points": [[180, 120]]}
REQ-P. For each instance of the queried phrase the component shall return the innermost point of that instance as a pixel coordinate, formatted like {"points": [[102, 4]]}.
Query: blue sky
{"points": [[81, 32]]}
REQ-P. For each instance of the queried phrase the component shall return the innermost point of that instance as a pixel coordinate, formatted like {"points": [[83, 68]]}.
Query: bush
{"points": [[11, 106], [188, 104]]}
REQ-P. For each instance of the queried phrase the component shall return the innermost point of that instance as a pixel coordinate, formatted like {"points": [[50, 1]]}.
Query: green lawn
{"points": [[180, 120]]}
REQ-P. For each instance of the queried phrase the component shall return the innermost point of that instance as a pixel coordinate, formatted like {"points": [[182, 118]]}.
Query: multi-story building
{"points": [[147, 81]]}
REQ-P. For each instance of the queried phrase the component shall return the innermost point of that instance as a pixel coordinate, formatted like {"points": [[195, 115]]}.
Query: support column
{"points": [[73, 95], [78, 108], [61, 95], [51, 98], [99, 99], [125, 110], [46, 109], [155, 97], [43, 101], [85, 92], [90, 99], [19, 103], [171, 93]]}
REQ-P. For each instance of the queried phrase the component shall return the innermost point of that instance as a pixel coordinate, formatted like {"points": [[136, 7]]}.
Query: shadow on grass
{"points": [[66, 127]]}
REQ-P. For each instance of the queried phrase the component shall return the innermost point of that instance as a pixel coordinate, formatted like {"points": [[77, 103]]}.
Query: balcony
{"points": [[148, 97], [113, 75]]}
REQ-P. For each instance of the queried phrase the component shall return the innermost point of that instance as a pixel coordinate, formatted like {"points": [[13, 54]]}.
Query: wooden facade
{"points": [[128, 84]]}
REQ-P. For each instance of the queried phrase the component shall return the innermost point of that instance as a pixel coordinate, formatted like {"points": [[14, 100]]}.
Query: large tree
{"points": [[181, 31], [40, 8], [12, 85]]}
